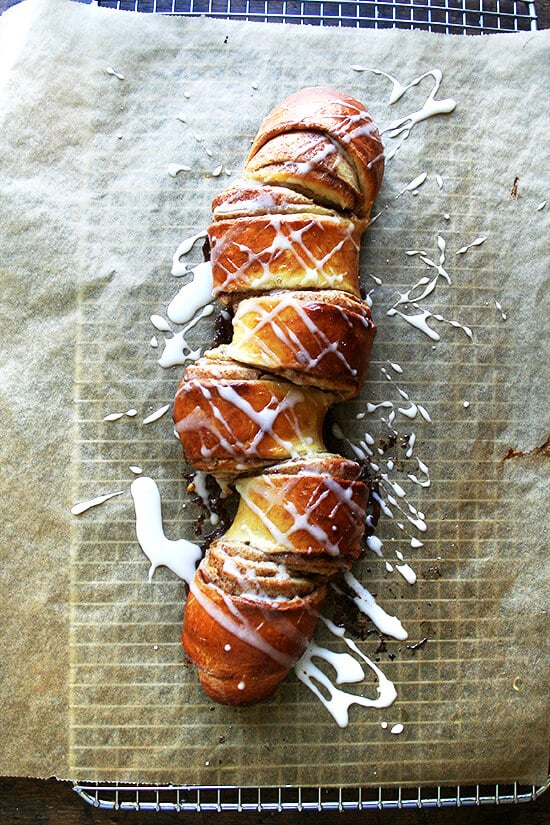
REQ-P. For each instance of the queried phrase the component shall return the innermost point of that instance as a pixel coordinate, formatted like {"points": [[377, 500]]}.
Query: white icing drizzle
{"points": [[156, 414], [258, 317], [347, 671], [374, 544], [176, 349], [77, 509], [419, 321], [403, 126], [135, 469], [236, 623], [541, 206], [265, 419], [193, 295], [154, 342], [476, 242], [397, 728], [365, 601], [179, 556], [425, 482], [178, 267]]}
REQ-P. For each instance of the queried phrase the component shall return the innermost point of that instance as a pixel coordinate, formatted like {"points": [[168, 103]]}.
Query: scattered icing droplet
{"points": [[187, 95], [241, 686], [383, 725], [541, 206], [407, 572], [439, 181], [397, 728], [156, 415], [465, 404], [111, 71], [374, 544], [446, 216], [135, 469], [131, 413], [77, 509], [175, 168], [414, 184], [113, 416], [227, 647], [154, 342], [160, 323], [499, 307], [217, 171]]}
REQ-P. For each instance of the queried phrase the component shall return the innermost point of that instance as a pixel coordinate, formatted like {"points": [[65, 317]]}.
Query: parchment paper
{"points": [[94, 683]]}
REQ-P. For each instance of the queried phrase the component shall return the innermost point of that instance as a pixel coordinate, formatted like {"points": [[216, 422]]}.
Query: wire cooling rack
{"points": [[444, 16], [178, 798]]}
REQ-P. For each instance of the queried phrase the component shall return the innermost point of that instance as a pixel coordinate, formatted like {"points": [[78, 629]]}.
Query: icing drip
{"points": [[77, 509], [192, 296], [179, 556], [178, 266], [365, 601], [348, 670]]}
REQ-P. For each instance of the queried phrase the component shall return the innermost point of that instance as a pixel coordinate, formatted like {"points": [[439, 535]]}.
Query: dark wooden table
{"points": [[49, 802]]}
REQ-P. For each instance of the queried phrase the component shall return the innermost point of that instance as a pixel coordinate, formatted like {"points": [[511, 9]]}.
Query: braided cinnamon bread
{"points": [[284, 244]]}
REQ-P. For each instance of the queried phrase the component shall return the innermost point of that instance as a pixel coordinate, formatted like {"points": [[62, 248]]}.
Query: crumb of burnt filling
{"points": [[218, 504], [223, 329]]}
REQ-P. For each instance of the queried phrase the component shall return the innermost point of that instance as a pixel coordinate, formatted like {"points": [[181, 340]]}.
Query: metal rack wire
{"points": [[178, 798], [444, 16]]}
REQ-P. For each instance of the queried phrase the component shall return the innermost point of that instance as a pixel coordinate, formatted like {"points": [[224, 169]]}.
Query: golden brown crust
{"points": [[322, 339], [311, 518], [244, 647], [310, 163], [249, 198], [345, 121], [296, 251], [228, 426]]}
